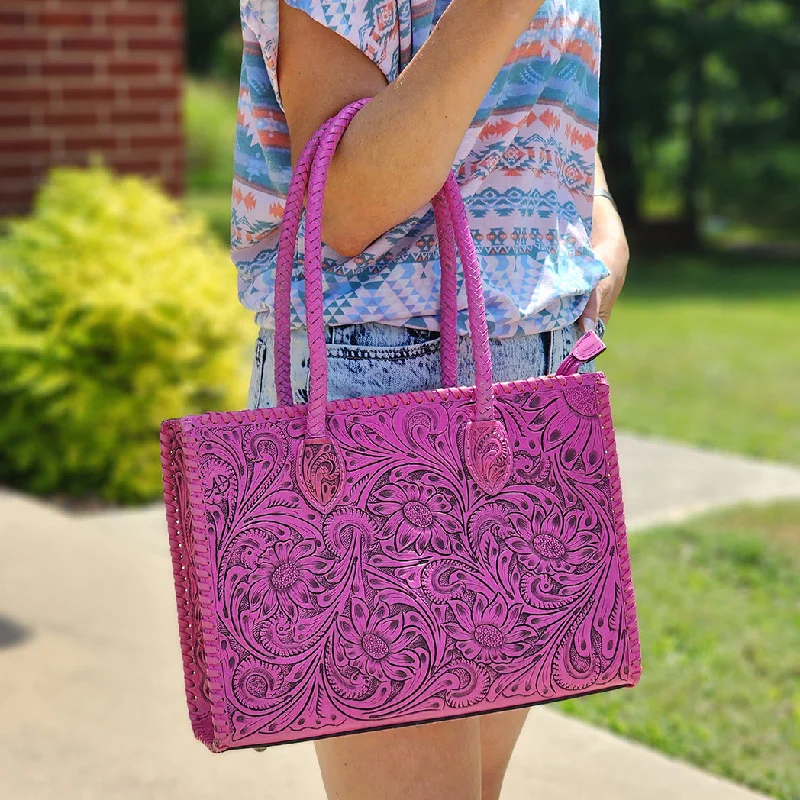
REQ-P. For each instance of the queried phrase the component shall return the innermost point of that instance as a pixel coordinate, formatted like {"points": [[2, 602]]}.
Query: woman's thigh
{"points": [[499, 734], [434, 761]]}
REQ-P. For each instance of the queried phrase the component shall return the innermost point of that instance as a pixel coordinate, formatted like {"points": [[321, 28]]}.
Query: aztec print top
{"points": [[525, 168]]}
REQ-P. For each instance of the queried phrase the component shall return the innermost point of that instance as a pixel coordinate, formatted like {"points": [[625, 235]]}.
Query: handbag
{"points": [[382, 561]]}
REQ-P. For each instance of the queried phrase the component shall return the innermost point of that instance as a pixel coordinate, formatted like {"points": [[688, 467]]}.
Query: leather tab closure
{"points": [[585, 349], [320, 473], [488, 454]]}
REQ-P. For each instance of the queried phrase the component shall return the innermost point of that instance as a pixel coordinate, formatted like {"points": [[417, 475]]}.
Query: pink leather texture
{"points": [[360, 564]]}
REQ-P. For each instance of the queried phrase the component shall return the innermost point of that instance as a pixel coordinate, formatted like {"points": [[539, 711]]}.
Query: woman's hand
{"points": [[611, 247]]}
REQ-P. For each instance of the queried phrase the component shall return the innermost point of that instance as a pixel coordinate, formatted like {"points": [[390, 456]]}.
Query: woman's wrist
{"points": [[603, 192]]}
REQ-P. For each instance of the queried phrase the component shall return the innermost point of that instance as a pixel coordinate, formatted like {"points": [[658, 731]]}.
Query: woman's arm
{"points": [[610, 245], [397, 152]]}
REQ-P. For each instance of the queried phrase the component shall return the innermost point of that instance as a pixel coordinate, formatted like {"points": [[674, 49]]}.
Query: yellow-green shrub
{"points": [[116, 311]]}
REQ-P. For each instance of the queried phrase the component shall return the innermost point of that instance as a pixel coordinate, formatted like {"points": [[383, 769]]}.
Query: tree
{"points": [[723, 78], [206, 22]]}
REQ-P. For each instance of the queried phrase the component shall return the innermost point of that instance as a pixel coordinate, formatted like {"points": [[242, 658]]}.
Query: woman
{"points": [[504, 92]]}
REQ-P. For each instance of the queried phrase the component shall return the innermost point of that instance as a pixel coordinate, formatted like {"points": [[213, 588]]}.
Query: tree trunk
{"points": [[692, 177]]}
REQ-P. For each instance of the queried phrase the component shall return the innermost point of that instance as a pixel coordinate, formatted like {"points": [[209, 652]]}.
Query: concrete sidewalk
{"points": [[92, 705]]}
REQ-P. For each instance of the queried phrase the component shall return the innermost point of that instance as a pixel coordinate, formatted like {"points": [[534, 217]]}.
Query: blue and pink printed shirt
{"points": [[525, 168]]}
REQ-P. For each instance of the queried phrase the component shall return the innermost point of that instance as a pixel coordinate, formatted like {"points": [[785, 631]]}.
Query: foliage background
{"points": [[117, 310]]}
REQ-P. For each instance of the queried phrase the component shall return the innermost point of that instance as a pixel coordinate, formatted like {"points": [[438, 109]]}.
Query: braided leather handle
{"points": [[476, 304], [448, 300], [290, 225], [452, 230]]}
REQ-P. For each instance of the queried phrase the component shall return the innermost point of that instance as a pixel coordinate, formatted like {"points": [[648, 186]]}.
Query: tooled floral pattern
{"points": [[416, 515], [418, 592], [489, 632], [551, 542], [377, 642]]}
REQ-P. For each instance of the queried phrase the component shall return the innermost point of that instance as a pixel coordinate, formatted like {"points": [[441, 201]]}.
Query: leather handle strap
{"points": [[290, 225], [448, 293]]}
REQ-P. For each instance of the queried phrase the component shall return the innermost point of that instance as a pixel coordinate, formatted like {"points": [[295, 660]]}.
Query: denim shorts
{"points": [[375, 359]]}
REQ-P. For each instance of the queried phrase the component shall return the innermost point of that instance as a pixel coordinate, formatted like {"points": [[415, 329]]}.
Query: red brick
{"points": [[133, 117], [154, 44], [87, 44], [89, 93], [64, 19], [90, 142], [31, 94], [16, 18], [173, 19], [132, 19], [20, 171], [13, 70], [12, 192], [132, 68], [67, 69], [71, 119], [174, 187], [29, 44], [15, 120], [15, 186], [161, 140], [154, 92], [11, 202], [27, 145]]}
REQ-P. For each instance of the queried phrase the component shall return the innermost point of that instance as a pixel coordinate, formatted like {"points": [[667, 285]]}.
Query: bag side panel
{"points": [[182, 549], [634, 665]]}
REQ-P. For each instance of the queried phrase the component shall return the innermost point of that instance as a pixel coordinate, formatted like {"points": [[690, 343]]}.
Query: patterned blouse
{"points": [[525, 168]]}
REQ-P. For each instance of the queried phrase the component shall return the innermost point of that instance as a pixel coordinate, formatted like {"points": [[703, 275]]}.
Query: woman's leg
{"points": [[435, 761], [499, 734]]}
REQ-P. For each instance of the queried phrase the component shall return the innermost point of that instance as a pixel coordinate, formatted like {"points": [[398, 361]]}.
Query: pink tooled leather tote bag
{"points": [[359, 564]]}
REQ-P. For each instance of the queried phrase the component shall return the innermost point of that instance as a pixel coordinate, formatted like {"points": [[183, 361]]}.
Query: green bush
{"points": [[210, 124], [116, 311]]}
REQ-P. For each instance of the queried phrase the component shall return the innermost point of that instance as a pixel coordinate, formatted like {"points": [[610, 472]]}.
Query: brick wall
{"points": [[88, 76]]}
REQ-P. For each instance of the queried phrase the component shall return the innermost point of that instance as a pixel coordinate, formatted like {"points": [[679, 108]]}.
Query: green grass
{"points": [[706, 350], [210, 119], [718, 602], [210, 122]]}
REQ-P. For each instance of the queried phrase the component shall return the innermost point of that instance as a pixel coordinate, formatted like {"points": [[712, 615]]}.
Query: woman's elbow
{"points": [[347, 246], [346, 239]]}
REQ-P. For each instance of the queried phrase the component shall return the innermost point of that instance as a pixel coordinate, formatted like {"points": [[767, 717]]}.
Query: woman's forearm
{"points": [[396, 153], [606, 222]]}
